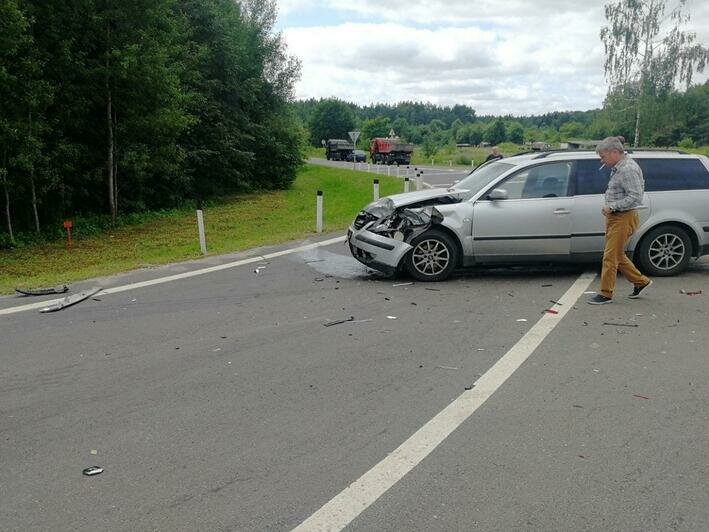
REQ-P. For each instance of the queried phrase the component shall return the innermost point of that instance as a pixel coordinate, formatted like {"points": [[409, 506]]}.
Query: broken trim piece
{"points": [[71, 300], [42, 291]]}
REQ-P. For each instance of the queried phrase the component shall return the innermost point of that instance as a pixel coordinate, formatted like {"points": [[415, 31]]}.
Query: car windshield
{"points": [[482, 177]]}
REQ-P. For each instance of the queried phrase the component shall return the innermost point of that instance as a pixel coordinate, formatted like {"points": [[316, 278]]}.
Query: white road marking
{"points": [[358, 496], [179, 276]]}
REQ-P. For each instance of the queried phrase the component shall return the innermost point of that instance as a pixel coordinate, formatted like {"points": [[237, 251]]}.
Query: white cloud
{"points": [[512, 56]]}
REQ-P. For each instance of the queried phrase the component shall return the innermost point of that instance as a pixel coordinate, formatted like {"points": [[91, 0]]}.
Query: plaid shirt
{"points": [[626, 186]]}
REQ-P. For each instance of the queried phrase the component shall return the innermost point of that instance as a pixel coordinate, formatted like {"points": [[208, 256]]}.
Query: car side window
{"points": [[591, 178], [543, 181], [674, 174]]}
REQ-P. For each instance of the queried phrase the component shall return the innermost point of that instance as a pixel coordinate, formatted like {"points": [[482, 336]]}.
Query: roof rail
{"points": [[633, 150], [629, 150]]}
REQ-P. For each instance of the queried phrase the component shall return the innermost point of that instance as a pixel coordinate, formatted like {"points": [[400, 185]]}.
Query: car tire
{"points": [[664, 251], [433, 258]]}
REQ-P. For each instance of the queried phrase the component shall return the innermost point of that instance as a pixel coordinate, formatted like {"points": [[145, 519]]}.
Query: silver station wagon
{"points": [[538, 207]]}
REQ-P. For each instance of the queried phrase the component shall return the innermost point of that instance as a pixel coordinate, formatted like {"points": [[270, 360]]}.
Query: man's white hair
{"points": [[610, 143]]}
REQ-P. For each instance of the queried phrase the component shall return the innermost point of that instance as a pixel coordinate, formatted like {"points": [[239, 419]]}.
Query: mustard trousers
{"points": [[619, 228]]}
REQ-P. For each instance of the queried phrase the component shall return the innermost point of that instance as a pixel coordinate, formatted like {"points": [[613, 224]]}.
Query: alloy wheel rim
{"points": [[430, 257], [666, 251]]}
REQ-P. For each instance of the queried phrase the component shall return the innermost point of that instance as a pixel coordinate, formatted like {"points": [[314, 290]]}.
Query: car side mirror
{"points": [[498, 194]]}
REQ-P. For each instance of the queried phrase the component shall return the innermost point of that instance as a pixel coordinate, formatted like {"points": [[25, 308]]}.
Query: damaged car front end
{"points": [[384, 231]]}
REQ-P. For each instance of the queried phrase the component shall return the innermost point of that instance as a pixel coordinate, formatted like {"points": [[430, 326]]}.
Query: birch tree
{"points": [[647, 52]]}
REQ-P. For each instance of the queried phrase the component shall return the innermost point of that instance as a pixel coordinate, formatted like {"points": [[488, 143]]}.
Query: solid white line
{"points": [[185, 275], [353, 500]]}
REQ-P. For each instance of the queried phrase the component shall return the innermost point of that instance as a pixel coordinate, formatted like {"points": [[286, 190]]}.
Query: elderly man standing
{"points": [[623, 196]]}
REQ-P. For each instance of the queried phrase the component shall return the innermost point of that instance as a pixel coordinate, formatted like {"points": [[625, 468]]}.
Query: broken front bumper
{"points": [[376, 251]]}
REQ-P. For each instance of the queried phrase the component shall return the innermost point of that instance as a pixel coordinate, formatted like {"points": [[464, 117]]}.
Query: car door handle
{"points": [[562, 211]]}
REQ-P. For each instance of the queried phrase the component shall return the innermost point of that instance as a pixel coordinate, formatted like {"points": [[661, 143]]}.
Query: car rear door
{"points": [[533, 223]]}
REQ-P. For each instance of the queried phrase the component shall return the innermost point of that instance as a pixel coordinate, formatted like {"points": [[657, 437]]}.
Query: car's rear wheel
{"points": [[664, 251], [433, 257]]}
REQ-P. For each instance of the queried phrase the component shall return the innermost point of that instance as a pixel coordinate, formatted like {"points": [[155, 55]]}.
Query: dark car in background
{"points": [[358, 155]]}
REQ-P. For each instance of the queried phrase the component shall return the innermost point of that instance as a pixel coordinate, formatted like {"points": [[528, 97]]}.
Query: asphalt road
{"points": [[437, 176], [222, 402]]}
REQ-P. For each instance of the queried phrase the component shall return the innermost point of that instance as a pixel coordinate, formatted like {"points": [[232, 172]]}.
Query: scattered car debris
{"points": [[433, 289], [640, 396], [71, 300], [93, 470], [402, 284], [392, 317], [546, 285], [42, 291], [259, 268], [556, 302], [691, 292], [550, 311], [451, 368], [316, 260], [318, 279], [362, 321], [337, 322], [577, 406], [93, 451], [469, 387], [590, 292], [620, 324], [522, 319]]}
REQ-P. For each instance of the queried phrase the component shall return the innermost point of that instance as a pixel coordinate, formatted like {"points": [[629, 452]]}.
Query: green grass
{"points": [[232, 224], [463, 156]]}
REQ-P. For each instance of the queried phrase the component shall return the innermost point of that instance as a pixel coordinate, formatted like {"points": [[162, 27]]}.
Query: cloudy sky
{"points": [[498, 56]]}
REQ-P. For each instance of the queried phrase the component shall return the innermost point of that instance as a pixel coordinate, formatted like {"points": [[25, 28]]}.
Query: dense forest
{"points": [[114, 107], [674, 118]]}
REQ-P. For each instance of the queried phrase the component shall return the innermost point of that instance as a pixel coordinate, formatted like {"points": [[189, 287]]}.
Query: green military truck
{"points": [[338, 149]]}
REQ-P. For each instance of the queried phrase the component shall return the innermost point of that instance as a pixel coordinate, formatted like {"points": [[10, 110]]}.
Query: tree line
{"points": [[111, 107], [675, 118]]}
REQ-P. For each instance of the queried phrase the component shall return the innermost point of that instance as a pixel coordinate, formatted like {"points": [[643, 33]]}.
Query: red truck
{"points": [[390, 151]]}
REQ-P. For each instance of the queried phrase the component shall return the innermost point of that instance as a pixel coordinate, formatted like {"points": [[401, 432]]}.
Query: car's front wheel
{"points": [[433, 257], [664, 251]]}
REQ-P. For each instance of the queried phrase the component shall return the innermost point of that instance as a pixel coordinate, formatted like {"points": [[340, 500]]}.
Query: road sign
{"points": [[392, 133], [354, 135]]}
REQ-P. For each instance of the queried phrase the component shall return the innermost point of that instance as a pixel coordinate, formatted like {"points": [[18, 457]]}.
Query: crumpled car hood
{"points": [[420, 198], [409, 198]]}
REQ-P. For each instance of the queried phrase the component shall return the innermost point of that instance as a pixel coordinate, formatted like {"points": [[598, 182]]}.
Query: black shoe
{"points": [[639, 290], [598, 299]]}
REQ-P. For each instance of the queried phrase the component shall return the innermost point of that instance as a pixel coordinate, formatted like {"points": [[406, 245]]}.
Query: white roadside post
{"points": [[432, 162], [450, 162], [398, 171], [318, 212], [419, 181], [406, 184], [376, 189], [389, 170], [200, 229], [472, 163], [354, 135]]}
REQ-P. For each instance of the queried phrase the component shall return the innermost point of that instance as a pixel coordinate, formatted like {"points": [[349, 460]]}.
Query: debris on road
{"points": [[362, 321], [469, 387], [556, 302], [522, 319], [434, 289], [620, 324], [71, 300], [640, 396], [550, 311], [318, 279], [316, 260], [337, 322], [402, 284], [93, 470], [546, 285], [691, 292], [42, 291], [451, 368], [93, 451], [392, 317], [590, 292]]}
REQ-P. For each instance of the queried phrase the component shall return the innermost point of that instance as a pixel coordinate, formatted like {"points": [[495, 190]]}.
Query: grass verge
{"points": [[233, 224]]}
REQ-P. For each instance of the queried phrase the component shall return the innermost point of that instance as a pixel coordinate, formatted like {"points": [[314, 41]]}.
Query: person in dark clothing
{"points": [[494, 155]]}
